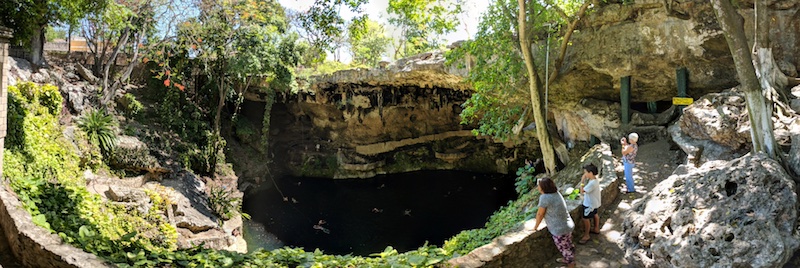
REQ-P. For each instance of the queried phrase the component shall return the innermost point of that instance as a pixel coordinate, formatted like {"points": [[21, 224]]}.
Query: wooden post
{"points": [[625, 99]]}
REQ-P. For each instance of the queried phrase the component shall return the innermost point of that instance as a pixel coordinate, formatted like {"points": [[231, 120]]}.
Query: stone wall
{"points": [[5, 35], [31, 244], [520, 248]]}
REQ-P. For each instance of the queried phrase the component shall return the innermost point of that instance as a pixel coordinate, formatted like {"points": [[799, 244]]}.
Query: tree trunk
{"points": [[69, 42], [37, 46], [758, 110], [109, 92], [548, 155]]}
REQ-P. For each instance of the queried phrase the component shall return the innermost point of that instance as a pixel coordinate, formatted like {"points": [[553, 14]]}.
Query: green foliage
{"points": [[498, 73], [265, 120], [46, 176], [223, 202], [27, 17], [422, 23], [574, 194], [99, 126], [46, 96], [130, 106], [502, 221], [246, 131], [327, 67], [51, 34], [322, 24], [525, 179], [368, 48], [26, 98], [234, 45]]}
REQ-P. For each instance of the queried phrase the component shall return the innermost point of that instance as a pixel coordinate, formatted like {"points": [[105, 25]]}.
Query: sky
{"points": [[376, 9]]}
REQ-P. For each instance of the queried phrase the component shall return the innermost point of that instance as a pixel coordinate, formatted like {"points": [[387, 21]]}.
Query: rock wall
{"points": [[519, 248], [716, 127], [33, 245], [399, 118], [739, 213], [648, 40]]}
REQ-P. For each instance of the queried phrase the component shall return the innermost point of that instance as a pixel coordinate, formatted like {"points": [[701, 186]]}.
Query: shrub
{"points": [[130, 106], [502, 221], [99, 126], [223, 201], [246, 131], [525, 178], [45, 96]]}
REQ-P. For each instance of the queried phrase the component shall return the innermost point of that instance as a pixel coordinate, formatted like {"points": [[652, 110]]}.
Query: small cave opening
{"points": [[652, 107], [364, 216], [730, 188]]}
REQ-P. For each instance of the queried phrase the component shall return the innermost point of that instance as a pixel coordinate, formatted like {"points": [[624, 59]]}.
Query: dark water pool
{"points": [[363, 216]]}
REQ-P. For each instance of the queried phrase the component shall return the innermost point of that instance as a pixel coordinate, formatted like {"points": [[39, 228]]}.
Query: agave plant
{"points": [[99, 126]]}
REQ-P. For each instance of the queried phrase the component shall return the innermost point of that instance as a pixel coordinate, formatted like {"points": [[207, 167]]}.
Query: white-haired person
{"points": [[629, 149]]}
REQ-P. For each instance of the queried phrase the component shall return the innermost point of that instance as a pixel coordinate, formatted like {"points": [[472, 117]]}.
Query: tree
{"points": [[51, 34], [30, 18], [368, 47], [323, 27], [228, 47], [422, 23], [759, 109], [506, 77]]}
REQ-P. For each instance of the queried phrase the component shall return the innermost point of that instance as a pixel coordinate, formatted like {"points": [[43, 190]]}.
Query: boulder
{"points": [[794, 154], [74, 97], [579, 121], [40, 77], [700, 151], [739, 213], [133, 154], [795, 104], [719, 117], [125, 194], [86, 74], [196, 224], [649, 39], [20, 70], [129, 197]]}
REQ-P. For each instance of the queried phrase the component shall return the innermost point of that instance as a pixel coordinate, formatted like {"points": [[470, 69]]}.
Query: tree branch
{"points": [[565, 41]]}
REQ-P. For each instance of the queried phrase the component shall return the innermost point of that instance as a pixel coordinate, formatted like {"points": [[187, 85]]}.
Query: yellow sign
{"points": [[682, 101]]}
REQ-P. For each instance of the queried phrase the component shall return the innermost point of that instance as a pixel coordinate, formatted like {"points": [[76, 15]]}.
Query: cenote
{"points": [[364, 216]]}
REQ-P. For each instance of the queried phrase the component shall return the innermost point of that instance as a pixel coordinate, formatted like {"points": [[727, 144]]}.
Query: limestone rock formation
{"points": [[722, 214], [794, 154], [649, 39], [716, 127], [134, 155], [361, 123], [719, 117], [194, 222]]}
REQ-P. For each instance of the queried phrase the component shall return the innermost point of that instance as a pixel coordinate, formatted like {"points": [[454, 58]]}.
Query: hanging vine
{"points": [[269, 100]]}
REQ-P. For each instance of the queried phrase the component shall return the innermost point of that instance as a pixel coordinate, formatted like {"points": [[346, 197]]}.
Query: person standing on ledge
{"points": [[629, 150], [590, 189], [553, 209]]}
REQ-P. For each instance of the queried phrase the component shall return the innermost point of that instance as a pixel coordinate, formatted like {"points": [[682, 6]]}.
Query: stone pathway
{"points": [[654, 163]]}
